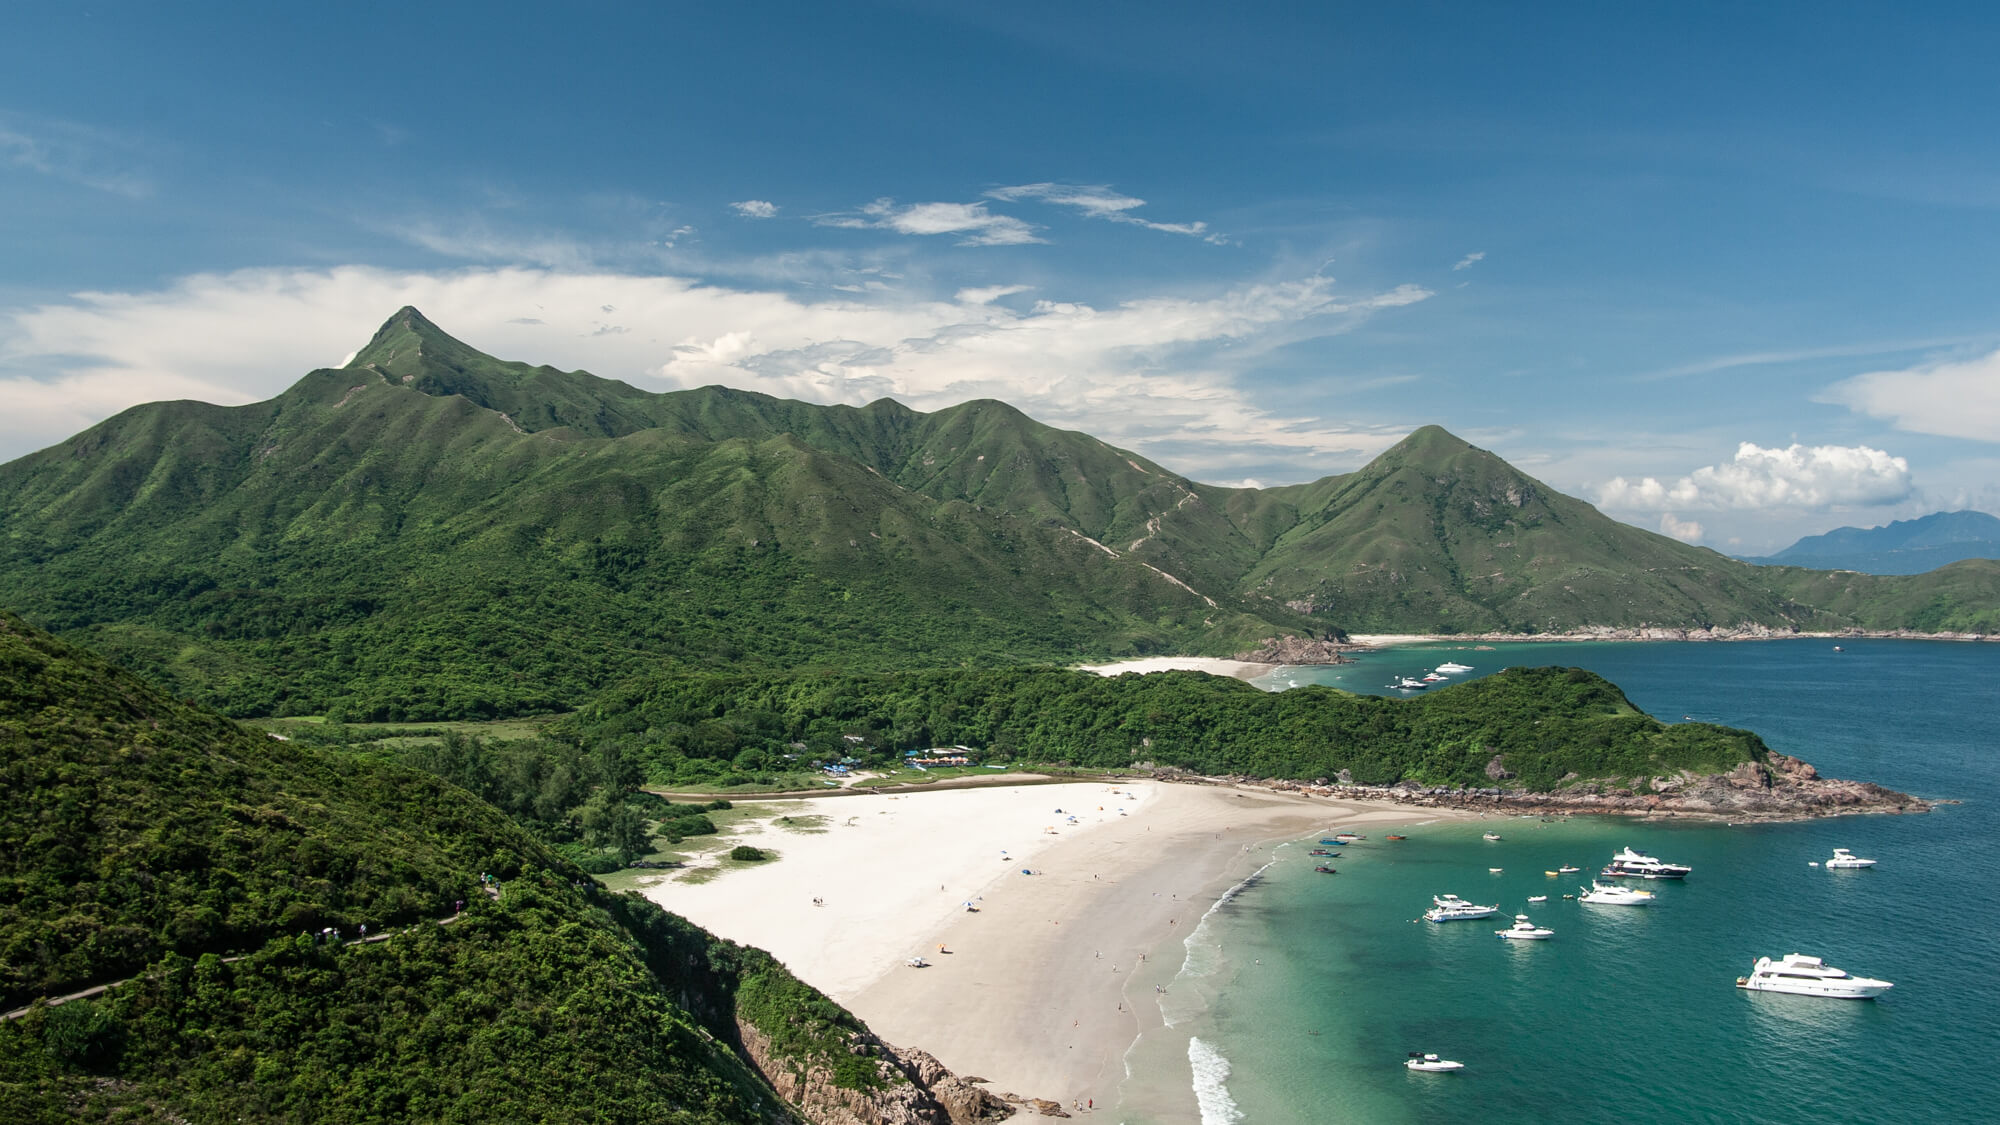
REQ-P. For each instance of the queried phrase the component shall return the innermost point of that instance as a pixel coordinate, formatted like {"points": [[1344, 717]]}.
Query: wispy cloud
{"points": [[987, 294], [1798, 476], [975, 225], [1160, 374], [1778, 358], [1953, 398], [73, 153], [1470, 260], [755, 208], [1098, 201]]}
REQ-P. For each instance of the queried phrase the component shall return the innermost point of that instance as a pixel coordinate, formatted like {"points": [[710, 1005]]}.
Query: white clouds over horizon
{"points": [[1953, 398], [1098, 201], [1797, 477], [755, 208], [975, 225], [1157, 373]]}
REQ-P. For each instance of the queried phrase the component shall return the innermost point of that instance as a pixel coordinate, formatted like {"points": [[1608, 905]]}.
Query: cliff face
{"points": [[915, 1088]]}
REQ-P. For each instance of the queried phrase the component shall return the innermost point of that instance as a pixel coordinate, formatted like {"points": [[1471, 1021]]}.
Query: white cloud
{"points": [[1687, 531], [1098, 201], [977, 225], [1959, 398], [987, 294], [1154, 373], [755, 208], [1470, 260], [1797, 476]]}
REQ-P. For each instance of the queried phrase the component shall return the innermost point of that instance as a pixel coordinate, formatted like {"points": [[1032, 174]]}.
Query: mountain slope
{"points": [[430, 532], [1903, 547], [193, 864]]}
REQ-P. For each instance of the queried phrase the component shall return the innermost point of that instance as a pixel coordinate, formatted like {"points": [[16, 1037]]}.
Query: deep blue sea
{"points": [[1300, 995]]}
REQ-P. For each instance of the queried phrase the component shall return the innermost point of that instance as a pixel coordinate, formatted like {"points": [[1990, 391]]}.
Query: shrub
{"points": [[747, 853]]}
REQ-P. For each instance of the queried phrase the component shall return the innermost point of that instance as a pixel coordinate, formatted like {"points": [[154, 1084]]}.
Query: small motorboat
{"points": [[1524, 930], [1844, 858], [1566, 869], [1322, 851], [1538, 898], [1552, 874], [1491, 836], [1614, 895], [1325, 870], [1494, 870], [1432, 1064], [1329, 841], [1397, 837]]}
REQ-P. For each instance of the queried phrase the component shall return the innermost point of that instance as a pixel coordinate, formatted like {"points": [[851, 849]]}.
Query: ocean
{"points": [[1300, 995]]}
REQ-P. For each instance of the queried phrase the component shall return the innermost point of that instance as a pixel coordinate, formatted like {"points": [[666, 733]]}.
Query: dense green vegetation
{"points": [[203, 864], [432, 533], [1547, 725]]}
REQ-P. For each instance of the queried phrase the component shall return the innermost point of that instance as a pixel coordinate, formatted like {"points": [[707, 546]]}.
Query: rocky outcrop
{"points": [[1780, 788], [1748, 632], [913, 1088], [1297, 650]]}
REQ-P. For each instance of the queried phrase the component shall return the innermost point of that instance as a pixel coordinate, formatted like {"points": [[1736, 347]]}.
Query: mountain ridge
{"points": [[1901, 547], [433, 532]]}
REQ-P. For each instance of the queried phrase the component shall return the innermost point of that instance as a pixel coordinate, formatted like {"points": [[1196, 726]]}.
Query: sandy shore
{"points": [[1214, 666], [1031, 993]]}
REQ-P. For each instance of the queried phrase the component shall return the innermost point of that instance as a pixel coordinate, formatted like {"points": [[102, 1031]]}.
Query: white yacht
{"points": [[1432, 1063], [1810, 976], [1452, 668], [1524, 930], [1631, 864], [1614, 896], [1844, 858], [1451, 908]]}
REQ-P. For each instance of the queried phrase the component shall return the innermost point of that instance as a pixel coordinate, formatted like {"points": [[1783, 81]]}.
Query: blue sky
{"points": [[1726, 270]]}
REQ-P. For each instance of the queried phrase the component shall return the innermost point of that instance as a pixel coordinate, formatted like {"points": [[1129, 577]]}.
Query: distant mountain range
{"points": [[430, 532], [1904, 547]]}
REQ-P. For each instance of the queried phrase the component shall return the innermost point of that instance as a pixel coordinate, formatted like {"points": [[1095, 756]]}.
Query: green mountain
{"points": [[430, 532], [194, 864]]}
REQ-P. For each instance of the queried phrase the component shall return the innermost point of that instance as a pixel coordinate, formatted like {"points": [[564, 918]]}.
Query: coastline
{"points": [[1213, 665], [1032, 995], [1651, 633]]}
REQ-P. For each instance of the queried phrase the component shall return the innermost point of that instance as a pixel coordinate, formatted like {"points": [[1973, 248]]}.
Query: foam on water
{"points": [[1211, 1092]]}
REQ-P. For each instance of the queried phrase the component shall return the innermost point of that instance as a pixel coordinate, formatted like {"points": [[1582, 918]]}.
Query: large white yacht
{"points": [[1524, 930], [1810, 976], [1844, 858], [1451, 908], [1637, 865], [1614, 896], [1450, 667]]}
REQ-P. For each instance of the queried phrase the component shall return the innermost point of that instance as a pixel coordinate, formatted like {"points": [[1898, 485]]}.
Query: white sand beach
{"points": [[1214, 666], [1029, 992]]}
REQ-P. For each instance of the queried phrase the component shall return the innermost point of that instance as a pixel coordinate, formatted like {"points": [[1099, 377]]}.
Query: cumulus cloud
{"points": [[1797, 476], [1470, 260], [1956, 398], [1687, 531], [755, 208], [972, 221], [1098, 201], [1159, 374]]}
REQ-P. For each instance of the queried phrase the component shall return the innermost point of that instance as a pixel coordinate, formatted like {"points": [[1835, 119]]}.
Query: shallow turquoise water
{"points": [[1304, 992]]}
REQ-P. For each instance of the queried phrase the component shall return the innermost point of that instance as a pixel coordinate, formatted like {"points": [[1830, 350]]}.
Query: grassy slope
{"points": [[144, 837]]}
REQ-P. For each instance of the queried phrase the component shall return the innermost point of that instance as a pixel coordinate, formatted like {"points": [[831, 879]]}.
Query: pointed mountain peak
{"points": [[405, 340], [1429, 445]]}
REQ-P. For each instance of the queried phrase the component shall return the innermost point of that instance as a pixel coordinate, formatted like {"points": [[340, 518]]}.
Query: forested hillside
{"points": [[433, 533], [227, 877], [1545, 725]]}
